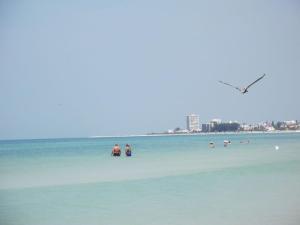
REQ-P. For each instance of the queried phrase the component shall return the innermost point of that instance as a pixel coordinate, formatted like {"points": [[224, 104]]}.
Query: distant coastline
{"points": [[228, 132], [158, 135], [198, 134]]}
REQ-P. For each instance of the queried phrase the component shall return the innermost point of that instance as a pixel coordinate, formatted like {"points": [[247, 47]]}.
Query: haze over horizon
{"points": [[129, 67]]}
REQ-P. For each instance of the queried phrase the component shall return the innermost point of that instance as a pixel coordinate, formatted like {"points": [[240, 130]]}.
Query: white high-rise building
{"points": [[192, 122]]}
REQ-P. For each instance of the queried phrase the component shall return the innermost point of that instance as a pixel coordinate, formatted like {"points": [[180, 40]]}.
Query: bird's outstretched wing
{"points": [[255, 81], [230, 85]]}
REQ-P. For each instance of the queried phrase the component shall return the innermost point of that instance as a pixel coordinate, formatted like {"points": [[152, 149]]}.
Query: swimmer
{"points": [[116, 151], [128, 150]]}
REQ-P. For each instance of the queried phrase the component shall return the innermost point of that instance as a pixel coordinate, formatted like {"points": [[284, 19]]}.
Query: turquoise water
{"points": [[169, 180]]}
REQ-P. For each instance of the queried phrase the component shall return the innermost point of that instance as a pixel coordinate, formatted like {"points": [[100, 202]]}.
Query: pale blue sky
{"points": [[132, 67]]}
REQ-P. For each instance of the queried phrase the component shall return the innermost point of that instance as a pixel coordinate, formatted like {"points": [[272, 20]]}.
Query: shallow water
{"points": [[169, 180]]}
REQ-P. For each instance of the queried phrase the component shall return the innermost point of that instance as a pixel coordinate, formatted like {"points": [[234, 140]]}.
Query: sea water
{"points": [[169, 180]]}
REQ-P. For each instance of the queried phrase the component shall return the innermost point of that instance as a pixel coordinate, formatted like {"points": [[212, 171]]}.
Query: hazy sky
{"points": [[132, 67]]}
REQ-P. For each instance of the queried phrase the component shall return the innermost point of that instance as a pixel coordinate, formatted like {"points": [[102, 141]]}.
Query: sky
{"points": [[91, 68]]}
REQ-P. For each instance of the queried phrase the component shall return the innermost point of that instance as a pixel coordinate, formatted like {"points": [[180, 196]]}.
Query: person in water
{"points": [[128, 150], [116, 151]]}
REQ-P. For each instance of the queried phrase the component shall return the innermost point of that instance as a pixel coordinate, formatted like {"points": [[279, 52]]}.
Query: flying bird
{"points": [[245, 89]]}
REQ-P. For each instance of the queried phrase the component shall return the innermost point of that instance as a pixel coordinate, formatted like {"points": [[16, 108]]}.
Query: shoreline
{"points": [[156, 135], [198, 134]]}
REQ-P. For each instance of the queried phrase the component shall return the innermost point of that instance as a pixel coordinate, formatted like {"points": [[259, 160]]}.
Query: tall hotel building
{"points": [[192, 122]]}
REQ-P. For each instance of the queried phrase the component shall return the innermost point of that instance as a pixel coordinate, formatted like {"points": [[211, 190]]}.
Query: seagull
{"points": [[245, 89]]}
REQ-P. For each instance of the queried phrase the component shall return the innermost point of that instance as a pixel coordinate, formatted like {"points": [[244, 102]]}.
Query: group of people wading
{"points": [[116, 151]]}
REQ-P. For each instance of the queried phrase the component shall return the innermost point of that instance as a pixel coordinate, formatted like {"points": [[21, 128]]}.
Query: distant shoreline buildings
{"points": [[193, 125]]}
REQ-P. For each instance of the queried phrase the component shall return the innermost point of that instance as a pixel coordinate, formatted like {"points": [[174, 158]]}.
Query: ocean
{"points": [[172, 180]]}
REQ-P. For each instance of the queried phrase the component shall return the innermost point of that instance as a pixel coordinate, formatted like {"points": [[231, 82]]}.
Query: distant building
{"points": [[214, 122], [217, 121], [291, 124], [225, 127], [192, 122], [205, 127], [246, 127]]}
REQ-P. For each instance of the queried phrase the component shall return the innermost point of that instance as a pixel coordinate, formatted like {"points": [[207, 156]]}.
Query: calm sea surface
{"points": [[176, 180]]}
